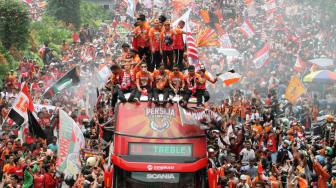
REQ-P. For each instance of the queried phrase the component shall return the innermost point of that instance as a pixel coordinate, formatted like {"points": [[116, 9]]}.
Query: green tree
{"points": [[7, 62], [50, 30], [92, 14], [14, 24], [65, 10]]}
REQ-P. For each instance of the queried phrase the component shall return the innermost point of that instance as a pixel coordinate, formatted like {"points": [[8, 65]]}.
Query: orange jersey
{"points": [[115, 78], [176, 79], [157, 76], [144, 78], [167, 34], [201, 84], [257, 128], [191, 80], [178, 43], [142, 38], [154, 35]]}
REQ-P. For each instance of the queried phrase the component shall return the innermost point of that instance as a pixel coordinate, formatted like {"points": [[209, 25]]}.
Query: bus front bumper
{"points": [[159, 167]]}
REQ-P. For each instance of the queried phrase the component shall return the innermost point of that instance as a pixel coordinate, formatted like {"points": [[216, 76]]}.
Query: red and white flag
{"points": [[225, 41], [190, 41], [28, 1], [247, 29], [300, 65], [270, 6], [262, 56], [22, 104], [191, 45]]}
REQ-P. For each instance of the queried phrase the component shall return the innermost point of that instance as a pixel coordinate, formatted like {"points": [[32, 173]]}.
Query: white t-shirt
{"points": [[247, 155]]}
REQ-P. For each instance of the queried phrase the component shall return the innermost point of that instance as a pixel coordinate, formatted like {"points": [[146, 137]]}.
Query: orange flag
{"points": [[205, 16]]}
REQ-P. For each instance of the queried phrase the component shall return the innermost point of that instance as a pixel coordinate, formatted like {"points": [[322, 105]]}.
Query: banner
{"points": [[38, 107], [294, 90], [190, 116], [247, 29], [200, 117], [34, 127], [262, 56], [104, 73], [22, 104], [18, 113], [71, 78], [70, 142]]}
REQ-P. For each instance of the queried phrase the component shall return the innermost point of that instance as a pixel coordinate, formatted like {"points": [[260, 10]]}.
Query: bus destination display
{"points": [[170, 150]]}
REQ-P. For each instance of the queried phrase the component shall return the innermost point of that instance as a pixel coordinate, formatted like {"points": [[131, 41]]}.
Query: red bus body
{"points": [[153, 149]]}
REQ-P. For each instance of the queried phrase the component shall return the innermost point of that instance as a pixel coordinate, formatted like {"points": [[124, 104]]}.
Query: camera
{"points": [[57, 174], [168, 40]]}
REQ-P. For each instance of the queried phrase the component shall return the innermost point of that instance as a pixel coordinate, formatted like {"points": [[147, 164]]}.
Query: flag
{"points": [[207, 37], [131, 7], [69, 79], [22, 104], [70, 142], [205, 16], [294, 90], [299, 65], [191, 44], [28, 1], [270, 6], [262, 56], [190, 117], [225, 41], [247, 29], [200, 117], [34, 127], [230, 78], [103, 73]]}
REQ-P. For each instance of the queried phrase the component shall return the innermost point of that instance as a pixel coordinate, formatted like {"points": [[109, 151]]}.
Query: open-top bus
{"points": [[153, 149]]}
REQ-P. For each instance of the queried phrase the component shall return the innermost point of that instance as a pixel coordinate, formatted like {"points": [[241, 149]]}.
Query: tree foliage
{"points": [[92, 14], [49, 30], [66, 10], [7, 62], [14, 24]]}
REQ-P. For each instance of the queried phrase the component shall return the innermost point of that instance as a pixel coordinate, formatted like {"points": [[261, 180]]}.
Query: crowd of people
{"points": [[264, 141]]}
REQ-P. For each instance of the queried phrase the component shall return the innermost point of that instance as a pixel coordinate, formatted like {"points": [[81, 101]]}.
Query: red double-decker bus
{"points": [[153, 149]]}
